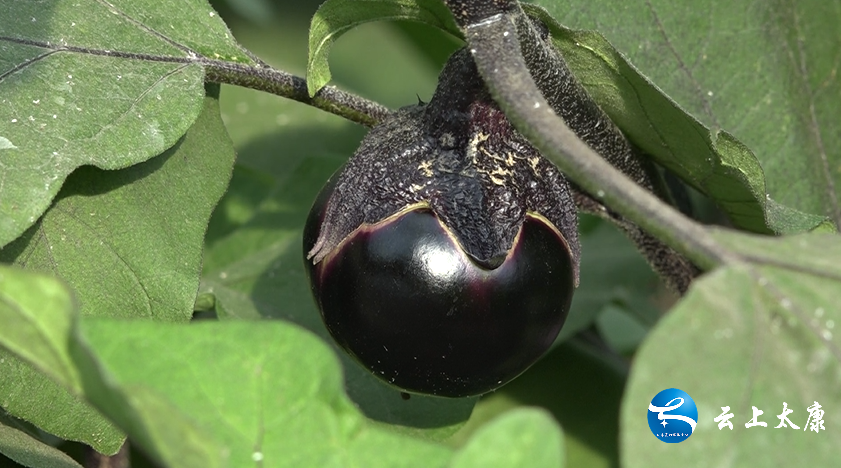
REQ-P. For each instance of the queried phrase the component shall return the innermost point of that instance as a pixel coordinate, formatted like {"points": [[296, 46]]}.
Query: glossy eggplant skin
{"points": [[404, 300]]}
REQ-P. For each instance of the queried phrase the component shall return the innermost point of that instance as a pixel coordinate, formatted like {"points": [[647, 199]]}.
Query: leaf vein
{"points": [[110, 247]]}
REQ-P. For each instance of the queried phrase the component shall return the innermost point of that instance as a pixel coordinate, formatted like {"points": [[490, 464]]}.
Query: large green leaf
{"points": [[108, 84], [755, 334], [27, 450], [35, 311], [559, 383], [239, 393], [763, 71], [30, 394], [130, 243], [523, 437], [35, 319]]}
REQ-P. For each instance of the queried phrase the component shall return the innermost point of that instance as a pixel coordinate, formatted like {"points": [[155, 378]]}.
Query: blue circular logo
{"points": [[672, 415]]}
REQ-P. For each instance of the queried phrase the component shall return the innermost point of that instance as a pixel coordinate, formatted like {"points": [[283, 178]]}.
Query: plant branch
{"points": [[494, 42], [271, 80]]}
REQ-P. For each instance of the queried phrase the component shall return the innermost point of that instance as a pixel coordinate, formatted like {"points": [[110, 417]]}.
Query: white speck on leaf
{"points": [[819, 312], [6, 144], [256, 456]]}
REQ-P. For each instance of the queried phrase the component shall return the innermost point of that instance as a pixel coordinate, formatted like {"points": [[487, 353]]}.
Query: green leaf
{"points": [[523, 437], [111, 235], [35, 311], [559, 383], [35, 318], [612, 271], [30, 394], [233, 390], [755, 334], [817, 253], [130, 243], [335, 17], [107, 84], [231, 394], [29, 451], [760, 72], [620, 329]]}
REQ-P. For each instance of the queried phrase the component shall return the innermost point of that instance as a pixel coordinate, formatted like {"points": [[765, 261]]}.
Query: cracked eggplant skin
{"points": [[404, 300], [443, 256]]}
